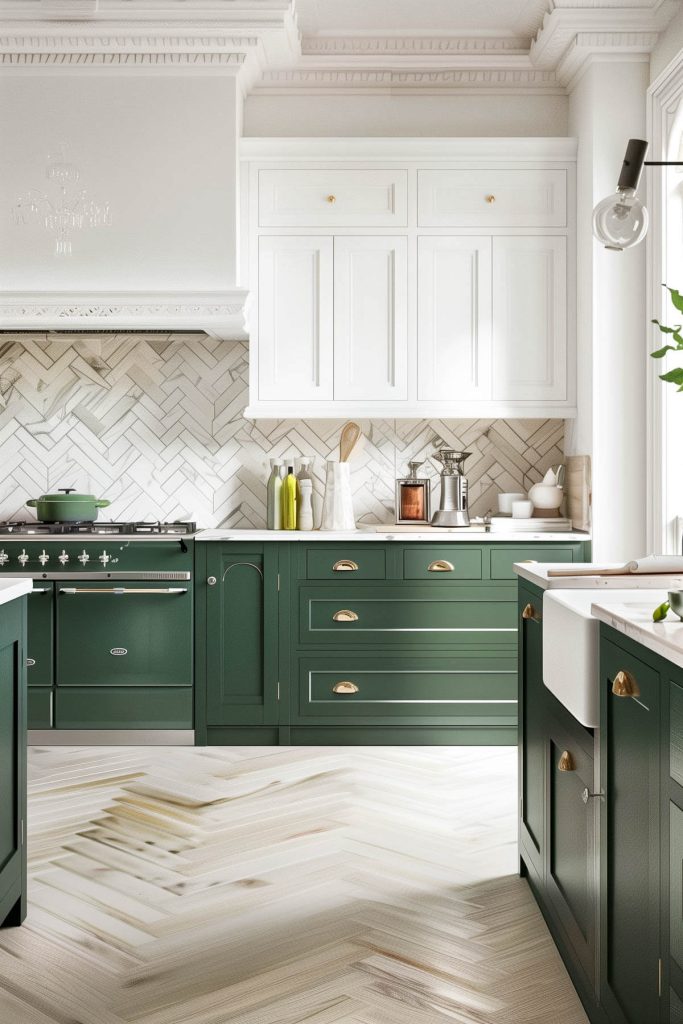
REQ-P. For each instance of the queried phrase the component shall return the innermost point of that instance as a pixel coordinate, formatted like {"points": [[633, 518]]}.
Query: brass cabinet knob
{"points": [[345, 615], [625, 685], [345, 565], [440, 565], [529, 612], [332, 199], [490, 199], [212, 581], [345, 686], [566, 762]]}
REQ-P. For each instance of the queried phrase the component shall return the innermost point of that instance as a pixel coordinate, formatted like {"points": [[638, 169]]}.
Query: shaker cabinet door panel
{"points": [[454, 318], [529, 318], [532, 712], [295, 319], [370, 318]]}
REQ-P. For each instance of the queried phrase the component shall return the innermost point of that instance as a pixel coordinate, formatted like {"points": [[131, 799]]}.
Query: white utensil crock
{"points": [[338, 502]]}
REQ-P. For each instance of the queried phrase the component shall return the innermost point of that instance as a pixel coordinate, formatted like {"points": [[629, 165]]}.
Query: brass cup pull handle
{"points": [[566, 762], [332, 199], [490, 199], [529, 612], [345, 615], [625, 685], [440, 565], [345, 686], [345, 565]]}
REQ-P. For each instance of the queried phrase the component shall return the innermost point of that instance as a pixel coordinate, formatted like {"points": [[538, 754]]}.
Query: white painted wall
{"points": [[613, 334], [669, 46], [487, 114], [162, 149]]}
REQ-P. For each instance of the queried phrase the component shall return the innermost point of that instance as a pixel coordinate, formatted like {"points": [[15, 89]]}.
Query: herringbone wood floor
{"points": [[276, 886]]}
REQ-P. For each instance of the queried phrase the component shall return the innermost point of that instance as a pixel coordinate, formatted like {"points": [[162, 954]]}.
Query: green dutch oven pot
{"points": [[67, 507]]}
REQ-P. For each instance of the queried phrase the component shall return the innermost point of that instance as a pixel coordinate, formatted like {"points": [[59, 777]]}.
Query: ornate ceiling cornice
{"points": [[129, 60], [411, 46], [361, 80]]}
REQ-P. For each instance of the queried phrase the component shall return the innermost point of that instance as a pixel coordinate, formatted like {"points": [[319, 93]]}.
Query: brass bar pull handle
{"points": [[41, 590], [345, 686], [566, 762], [345, 565], [440, 565], [530, 612], [123, 590], [625, 685], [345, 615]]}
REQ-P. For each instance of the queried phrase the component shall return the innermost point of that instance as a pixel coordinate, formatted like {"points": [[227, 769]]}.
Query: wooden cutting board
{"points": [[578, 487]]}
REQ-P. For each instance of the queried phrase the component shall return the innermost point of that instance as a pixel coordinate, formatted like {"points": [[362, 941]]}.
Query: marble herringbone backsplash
{"points": [[155, 424]]}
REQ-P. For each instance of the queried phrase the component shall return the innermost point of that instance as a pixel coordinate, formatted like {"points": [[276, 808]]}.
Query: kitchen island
{"points": [[13, 750]]}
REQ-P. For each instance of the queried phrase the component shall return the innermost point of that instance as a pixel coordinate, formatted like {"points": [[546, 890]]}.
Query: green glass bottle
{"points": [[289, 500]]}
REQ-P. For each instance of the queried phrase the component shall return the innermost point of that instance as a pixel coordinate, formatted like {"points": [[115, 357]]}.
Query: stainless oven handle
{"points": [[41, 590], [123, 590]]}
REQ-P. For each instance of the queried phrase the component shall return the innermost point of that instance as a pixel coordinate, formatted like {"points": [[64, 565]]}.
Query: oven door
{"points": [[128, 633]]}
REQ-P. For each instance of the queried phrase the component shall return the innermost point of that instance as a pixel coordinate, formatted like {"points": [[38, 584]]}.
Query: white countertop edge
{"points": [[11, 589], [470, 535], [538, 575], [662, 638]]}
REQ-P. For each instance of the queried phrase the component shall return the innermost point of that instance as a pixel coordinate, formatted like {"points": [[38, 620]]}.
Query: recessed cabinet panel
{"points": [[295, 319], [370, 318], [492, 198], [529, 318], [454, 318], [319, 197]]}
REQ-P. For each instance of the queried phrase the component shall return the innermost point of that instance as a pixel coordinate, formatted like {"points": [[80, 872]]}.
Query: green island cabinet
{"points": [[366, 642], [605, 860], [12, 762]]}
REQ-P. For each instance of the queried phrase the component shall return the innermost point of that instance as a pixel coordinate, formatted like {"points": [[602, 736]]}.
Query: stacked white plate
{"points": [[549, 525]]}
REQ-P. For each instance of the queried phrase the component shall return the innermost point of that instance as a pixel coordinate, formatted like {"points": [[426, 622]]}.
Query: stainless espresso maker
{"points": [[452, 510]]}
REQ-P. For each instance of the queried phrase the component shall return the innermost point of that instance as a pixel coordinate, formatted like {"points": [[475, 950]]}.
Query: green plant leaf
{"points": [[676, 297], [667, 330], [661, 352], [673, 376]]}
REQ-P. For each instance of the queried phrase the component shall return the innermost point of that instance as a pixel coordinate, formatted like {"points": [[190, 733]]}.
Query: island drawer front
{"points": [[370, 685], [39, 707], [492, 197], [346, 562], [443, 563], [327, 197], [120, 707], [400, 613], [503, 558]]}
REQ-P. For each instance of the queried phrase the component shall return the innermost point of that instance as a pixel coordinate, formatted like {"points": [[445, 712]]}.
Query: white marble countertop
{"points": [[538, 575], [11, 589], [473, 534], [634, 620]]}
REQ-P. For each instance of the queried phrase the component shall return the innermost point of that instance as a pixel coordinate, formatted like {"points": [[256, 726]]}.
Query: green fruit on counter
{"points": [[661, 612]]}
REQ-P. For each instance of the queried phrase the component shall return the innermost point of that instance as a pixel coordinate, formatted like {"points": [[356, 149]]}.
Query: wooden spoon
{"points": [[348, 440]]}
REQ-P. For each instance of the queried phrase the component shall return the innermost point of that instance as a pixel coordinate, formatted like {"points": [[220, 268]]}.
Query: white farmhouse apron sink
{"points": [[571, 666]]}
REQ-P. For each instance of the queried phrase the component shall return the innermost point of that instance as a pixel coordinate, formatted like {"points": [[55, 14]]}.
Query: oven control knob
{"points": [[3, 557], [104, 558], [43, 557], [84, 557], [63, 558], [23, 557]]}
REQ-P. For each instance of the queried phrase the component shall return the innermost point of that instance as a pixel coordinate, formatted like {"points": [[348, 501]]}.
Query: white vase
{"points": [[338, 501]]}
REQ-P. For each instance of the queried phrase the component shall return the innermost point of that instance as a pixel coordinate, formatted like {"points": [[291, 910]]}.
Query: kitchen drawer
{"points": [[442, 563], [39, 707], [369, 686], [109, 707], [502, 559], [347, 562], [346, 198], [492, 198], [399, 614]]}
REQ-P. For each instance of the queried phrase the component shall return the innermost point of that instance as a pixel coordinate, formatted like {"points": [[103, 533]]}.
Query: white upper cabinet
{"points": [[492, 198], [347, 198], [410, 278], [530, 318], [295, 355], [453, 317], [370, 318]]}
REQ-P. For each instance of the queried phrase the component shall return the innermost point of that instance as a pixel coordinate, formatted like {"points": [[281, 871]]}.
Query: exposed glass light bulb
{"points": [[620, 221]]}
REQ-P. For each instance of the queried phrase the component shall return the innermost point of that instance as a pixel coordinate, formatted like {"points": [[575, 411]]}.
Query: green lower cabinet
{"points": [[40, 706], [12, 762], [39, 656], [631, 960], [533, 698], [116, 707]]}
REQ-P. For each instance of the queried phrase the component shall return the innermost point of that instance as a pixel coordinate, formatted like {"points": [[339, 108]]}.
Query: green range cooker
{"points": [[110, 624]]}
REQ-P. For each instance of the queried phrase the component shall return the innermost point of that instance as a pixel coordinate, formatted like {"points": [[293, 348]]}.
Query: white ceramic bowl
{"points": [[522, 509], [505, 501]]}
